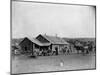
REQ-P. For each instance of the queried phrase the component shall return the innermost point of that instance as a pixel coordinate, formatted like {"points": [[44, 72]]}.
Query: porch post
{"points": [[33, 49]]}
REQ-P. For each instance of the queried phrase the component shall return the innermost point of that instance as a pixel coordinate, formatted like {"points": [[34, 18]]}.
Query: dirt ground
{"points": [[24, 64]]}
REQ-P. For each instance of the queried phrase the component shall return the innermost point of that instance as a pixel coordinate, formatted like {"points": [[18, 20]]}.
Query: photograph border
{"points": [[59, 4]]}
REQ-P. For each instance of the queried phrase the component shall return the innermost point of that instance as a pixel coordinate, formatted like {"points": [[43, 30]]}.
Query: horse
{"points": [[79, 48]]}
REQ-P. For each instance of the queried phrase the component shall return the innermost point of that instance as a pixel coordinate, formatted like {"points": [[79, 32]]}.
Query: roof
{"points": [[38, 42], [55, 39]]}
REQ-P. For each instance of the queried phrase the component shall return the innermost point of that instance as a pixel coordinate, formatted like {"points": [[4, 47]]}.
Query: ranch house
{"points": [[43, 42]]}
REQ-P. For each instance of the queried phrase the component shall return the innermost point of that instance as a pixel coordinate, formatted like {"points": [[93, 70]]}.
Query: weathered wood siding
{"points": [[26, 46]]}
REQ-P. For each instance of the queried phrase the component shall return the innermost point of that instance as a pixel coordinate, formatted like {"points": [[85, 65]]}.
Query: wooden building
{"points": [[56, 43], [29, 45], [42, 42]]}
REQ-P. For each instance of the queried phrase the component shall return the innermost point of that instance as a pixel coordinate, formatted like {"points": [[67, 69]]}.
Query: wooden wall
{"points": [[26, 46]]}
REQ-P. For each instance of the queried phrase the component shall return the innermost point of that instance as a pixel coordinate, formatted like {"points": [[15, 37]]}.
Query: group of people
{"points": [[79, 47]]}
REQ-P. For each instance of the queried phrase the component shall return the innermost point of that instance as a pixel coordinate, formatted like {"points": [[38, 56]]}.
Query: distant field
{"points": [[81, 39], [16, 40]]}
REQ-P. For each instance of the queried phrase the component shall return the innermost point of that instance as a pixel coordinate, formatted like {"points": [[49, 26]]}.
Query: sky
{"points": [[31, 19]]}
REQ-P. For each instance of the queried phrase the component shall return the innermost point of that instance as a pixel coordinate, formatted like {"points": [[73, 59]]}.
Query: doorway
{"points": [[56, 48]]}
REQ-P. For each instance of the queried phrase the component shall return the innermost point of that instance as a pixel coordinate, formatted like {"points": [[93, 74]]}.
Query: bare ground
{"points": [[24, 64]]}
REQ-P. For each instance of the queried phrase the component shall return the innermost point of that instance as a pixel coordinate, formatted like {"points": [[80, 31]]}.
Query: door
{"points": [[56, 48]]}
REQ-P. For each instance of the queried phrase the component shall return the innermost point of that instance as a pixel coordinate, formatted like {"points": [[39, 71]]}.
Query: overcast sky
{"points": [[30, 19]]}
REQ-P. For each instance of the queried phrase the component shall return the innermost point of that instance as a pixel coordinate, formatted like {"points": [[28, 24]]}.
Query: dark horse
{"points": [[83, 49], [79, 48]]}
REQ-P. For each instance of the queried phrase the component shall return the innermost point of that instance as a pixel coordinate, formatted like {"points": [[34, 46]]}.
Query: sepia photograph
{"points": [[52, 37]]}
